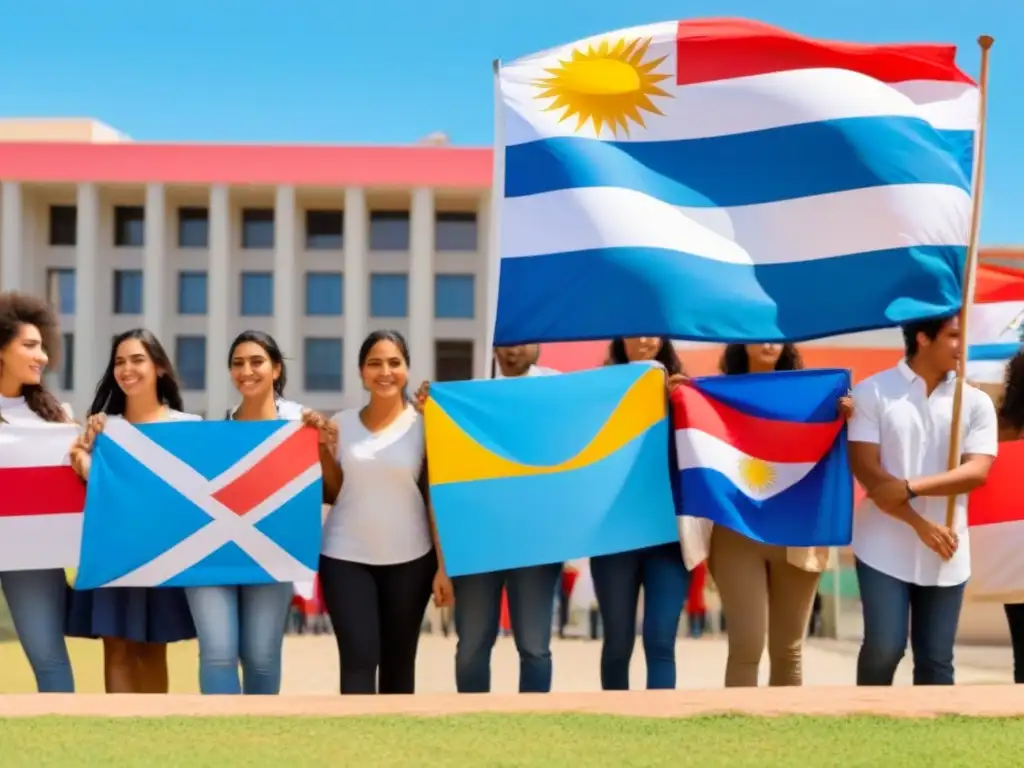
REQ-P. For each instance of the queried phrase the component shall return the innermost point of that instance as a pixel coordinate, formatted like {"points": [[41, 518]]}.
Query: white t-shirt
{"points": [[380, 517], [893, 411], [533, 370], [286, 409]]}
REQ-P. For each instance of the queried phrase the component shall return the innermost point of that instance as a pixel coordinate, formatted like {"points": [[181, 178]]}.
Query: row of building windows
{"points": [[325, 229], [322, 369], [454, 295]]}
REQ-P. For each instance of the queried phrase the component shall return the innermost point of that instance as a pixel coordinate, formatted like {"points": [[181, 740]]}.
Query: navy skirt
{"points": [[139, 614]]}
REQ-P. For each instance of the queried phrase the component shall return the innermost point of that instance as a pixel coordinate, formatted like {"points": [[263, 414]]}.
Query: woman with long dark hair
{"points": [[244, 625], [1011, 427], [659, 570], [135, 623], [37, 599], [380, 561], [766, 590]]}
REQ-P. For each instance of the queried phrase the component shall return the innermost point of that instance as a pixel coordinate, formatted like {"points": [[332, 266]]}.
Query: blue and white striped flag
{"points": [[731, 181]]}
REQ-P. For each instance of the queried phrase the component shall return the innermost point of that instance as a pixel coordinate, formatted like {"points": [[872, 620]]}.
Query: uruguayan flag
{"points": [[730, 181], [996, 323]]}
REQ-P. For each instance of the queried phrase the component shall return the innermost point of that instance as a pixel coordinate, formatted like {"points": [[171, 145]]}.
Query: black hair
{"points": [[666, 355], [266, 342], [110, 399], [20, 309], [393, 336], [1011, 411], [930, 327], [736, 360]]}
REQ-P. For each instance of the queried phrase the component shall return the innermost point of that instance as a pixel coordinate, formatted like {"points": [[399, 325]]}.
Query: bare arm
{"points": [[866, 464], [332, 474], [971, 474], [424, 483]]}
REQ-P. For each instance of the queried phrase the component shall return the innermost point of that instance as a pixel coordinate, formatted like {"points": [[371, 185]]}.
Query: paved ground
{"points": [[311, 665], [311, 675]]}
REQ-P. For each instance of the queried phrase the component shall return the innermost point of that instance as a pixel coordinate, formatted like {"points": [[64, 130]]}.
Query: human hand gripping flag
{"points": [[766, 455]]}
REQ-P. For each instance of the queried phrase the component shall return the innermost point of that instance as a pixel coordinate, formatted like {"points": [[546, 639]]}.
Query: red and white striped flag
{"points": [[41, 498], [995, 517]]}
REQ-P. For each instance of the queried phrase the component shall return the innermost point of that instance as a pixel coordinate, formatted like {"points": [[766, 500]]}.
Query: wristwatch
{"points": [[910, 491]]}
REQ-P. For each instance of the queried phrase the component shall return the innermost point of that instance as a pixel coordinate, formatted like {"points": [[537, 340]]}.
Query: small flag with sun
{"points": [[765, 455]]}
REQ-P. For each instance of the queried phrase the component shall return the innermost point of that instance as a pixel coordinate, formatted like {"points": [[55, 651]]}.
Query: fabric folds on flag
{"points": [[766, 455], [538, 470], [995, 519], [728, 180], [41, 498], [994, 329], [193, 504]]}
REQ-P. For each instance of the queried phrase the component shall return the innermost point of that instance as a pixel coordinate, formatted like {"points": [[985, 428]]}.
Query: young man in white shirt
{"points": [[531, 591], [911, 568]]}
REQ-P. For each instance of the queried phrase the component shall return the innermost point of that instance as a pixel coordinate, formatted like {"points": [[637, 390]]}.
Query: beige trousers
{"points": [[762, 594]]}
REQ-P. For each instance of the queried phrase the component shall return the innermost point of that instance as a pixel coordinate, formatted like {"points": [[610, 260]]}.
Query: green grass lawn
{"points": [[560, 741]]}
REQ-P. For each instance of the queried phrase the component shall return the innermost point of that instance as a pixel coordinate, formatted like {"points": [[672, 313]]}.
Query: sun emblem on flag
{"points": [[1016, 326], [609, 85], [758, 475]]}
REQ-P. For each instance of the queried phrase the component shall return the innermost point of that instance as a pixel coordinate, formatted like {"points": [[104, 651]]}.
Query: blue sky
{"points": [[391, 71]]}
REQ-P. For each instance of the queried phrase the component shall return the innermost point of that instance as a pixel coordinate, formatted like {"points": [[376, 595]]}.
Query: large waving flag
{"points": [[41, 498], [995, 519], [193, 504], [727, 180], [765, 455], [547, 469], [994, 329]]}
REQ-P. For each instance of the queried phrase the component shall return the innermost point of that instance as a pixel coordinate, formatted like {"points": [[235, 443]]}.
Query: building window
{"points": [[60, 290], [454, 297], [63, 224], [324, 230], [128, 292], [257, 228], [389, 231], [129, 226], [190, 361], [453, 360], [322, 365], [192, 296], [324, 293], [389, 295], [66, 371], [193, 227], [455, 232], [257, 294]]}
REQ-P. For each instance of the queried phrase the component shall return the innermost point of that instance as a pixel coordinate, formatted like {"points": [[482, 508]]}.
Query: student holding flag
{"points": [[659, 570], [911, 568], [766, 590], [246, 623], [380, 559], [135, 623], [29, 340]]}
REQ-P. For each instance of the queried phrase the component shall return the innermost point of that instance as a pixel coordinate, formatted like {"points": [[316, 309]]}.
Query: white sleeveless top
{"points": [[380, 517]]}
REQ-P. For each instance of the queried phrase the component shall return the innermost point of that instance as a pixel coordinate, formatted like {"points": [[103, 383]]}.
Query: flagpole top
{"points": [[985, 42], [497, 63]]}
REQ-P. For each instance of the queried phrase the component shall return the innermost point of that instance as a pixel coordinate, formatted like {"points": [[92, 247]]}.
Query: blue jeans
{"points": [[617, 581], [38, 604], [240, 624], [531, 605], [890, 606]]}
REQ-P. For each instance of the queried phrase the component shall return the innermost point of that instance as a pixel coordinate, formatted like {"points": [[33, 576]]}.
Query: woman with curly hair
{"points": [[1011, 427], [766, 591], [659, 570], [37, 599]]}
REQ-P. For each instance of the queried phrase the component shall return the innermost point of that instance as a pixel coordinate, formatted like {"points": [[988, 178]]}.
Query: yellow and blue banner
{"points": [[538, 470]]}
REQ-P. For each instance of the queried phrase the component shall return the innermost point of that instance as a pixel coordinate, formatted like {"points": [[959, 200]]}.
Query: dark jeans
{"points": [[617, 581], [1015, 618], [531, 601], [377, 613], [890, 606]]}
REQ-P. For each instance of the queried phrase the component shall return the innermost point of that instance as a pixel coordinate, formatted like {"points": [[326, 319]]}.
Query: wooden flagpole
{"points": [[970, 266]]}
